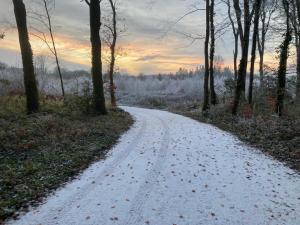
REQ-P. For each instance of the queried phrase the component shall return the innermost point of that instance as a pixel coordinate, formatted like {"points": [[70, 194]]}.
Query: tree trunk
{"points": [[235, 56], [238, 13], [261, 67], [236, 41], [261, 44], [298, 54], [30, 83], [253, 53], [95, 24], [54, 48], [206, 53], [213, 95], [281, 79], [113, 56], [241, 82], [298, 73]]}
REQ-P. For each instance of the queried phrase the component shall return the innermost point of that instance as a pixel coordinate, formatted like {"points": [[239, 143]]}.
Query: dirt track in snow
{"points": [[168, 169]]}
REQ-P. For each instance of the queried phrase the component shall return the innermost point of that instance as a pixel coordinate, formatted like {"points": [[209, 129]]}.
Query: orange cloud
{"points": [[74, 51], [139, 56]]}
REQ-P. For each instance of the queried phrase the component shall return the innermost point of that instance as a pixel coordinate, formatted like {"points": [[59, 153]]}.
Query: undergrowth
{"points": [[40, 152]]}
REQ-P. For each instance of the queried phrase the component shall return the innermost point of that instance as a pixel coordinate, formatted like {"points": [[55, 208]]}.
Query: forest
{"points": [[56, 121]]}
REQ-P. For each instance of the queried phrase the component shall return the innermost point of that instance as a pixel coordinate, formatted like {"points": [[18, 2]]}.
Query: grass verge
{"points": [[40, 152]]}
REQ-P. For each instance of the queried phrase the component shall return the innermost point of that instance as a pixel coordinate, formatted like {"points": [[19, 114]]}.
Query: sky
{"points": [[152, 43]]}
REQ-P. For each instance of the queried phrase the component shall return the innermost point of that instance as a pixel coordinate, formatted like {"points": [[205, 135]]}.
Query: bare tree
{"points": [[206, 55], [298, 53], [112, 46], [95, 25], [267, 10], [235, 32], [46, 20], [30, 83], [244, 37], [257, 6], [213, 95], [54, 46], [295, 19], [284, 54]]}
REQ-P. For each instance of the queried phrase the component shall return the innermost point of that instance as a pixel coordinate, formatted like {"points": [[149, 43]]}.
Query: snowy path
{"points": [[169, 170]]}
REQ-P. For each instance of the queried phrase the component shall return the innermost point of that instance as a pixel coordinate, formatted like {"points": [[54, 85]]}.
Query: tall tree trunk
{"points": [[268, 8], [261, 67], [253, 53], [213, 95], [54, 47], [298, 54], [113, 55], [238, 13], [30, 83], [235, 56], [241, 82], [261, 40], [95, 24], [281, 79], [298, 73], [236, 41], [206, 53]]}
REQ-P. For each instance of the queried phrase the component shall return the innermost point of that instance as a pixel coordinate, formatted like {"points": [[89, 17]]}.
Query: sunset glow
{"points": [[150, 45]]}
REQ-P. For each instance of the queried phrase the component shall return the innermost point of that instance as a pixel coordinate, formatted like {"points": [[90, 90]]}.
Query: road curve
{"points": [[168, 169]]}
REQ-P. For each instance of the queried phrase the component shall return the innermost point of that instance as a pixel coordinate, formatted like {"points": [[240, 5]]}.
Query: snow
{"points": [[168, 169]]}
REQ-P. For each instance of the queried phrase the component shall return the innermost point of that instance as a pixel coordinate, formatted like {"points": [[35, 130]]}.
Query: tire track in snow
{"points": [[144, 191], [108, 169], [224, 192]]}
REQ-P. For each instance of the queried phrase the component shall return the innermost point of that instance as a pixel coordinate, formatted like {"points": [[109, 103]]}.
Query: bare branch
{"points": [[180, 19]]}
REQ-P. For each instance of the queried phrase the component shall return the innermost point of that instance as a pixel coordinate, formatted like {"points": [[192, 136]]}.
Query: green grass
{"points": [[40, 152]]}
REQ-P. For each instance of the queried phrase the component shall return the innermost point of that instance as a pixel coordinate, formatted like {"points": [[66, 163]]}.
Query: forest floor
{"points": [[40, 152], [169, 169]]}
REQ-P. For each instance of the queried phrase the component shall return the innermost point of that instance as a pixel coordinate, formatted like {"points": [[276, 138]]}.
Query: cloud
{"points": [[147, 58], [147, 49]]}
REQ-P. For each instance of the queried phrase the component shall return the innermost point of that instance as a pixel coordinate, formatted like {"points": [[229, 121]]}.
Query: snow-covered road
{"points": [[168, 169]]}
